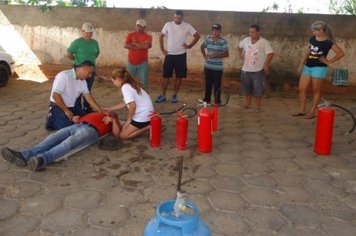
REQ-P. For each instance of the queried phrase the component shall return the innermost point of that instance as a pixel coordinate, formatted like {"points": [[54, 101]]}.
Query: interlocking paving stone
{"points": [[334, 208], [123, 196], [262, 177], [84, 200], [334, 227], [109, 216], [263, 219], [40, 205], [300, 214], [221, 223], [261, 197], [293, 194], [227, 201], [233, 184], [62, 221], [21, 225], [90, 232], [261, 180], [8, 208], [22, 189]]}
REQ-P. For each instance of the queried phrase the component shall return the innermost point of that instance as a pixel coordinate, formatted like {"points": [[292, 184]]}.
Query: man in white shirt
{"points": [[67, 87], [177, 32], [257, 54]]}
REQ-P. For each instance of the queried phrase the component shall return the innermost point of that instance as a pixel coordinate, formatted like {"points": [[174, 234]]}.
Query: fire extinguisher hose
{"points": [[226, 97], [172, 112], [189, 111], [350, 113]]}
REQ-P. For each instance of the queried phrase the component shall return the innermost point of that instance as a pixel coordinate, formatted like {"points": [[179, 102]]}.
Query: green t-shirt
{"points": [[84, 50]]}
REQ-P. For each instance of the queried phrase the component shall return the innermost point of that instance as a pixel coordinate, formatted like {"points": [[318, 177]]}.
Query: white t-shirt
{"points": [[255, 54], [69, 87], [176, 36], [144, 106]]}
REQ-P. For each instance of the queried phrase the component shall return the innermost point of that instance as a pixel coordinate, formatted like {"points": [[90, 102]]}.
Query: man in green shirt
{"points": [[84, 49]]}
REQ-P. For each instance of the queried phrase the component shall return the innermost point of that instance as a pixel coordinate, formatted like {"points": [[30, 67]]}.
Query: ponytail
{"points": [[317, 25], [126, 78]]}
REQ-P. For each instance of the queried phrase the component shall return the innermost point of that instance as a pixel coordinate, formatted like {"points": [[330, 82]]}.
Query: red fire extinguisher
{"points": [[215, 117], [181, 131], [324, 131], [155, 130], [204, 130]]}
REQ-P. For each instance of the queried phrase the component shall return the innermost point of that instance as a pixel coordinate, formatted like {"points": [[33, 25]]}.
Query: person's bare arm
{"points": [[195, 40], [161, 44], [338, 55], [70, 56], [60, 103], [116, 127], [90, 99], [267, 63]]}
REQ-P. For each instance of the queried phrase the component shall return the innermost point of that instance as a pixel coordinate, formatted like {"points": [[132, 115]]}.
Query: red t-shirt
{"points": [[137, 56], [96, 120]]}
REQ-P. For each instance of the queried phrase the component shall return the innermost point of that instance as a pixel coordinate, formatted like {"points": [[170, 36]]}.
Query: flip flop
{"points": [[308, 117], [298, 114]]}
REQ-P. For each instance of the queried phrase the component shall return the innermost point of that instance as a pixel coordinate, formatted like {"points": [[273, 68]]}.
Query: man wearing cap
{"points": [[214, 50], [177, 32], [138, 42], [85, 49]]}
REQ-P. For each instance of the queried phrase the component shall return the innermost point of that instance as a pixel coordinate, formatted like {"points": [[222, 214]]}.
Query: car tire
{"points": [[4, 75]]}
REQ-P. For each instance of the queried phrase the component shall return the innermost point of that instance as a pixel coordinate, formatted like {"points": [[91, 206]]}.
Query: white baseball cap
{"points": [[88, 27], [141, 22]]}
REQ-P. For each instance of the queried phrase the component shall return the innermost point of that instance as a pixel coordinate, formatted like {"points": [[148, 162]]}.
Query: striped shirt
{"points": [[215, 47]]}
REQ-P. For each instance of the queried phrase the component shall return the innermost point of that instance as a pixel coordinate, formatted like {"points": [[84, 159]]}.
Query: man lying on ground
{"points": [[87, 131]]}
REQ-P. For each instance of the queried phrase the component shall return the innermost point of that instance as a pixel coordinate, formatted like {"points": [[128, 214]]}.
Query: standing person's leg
{"points": [[217, 86], [167, 74], [180, 67], [80, 135], [209, 79], [246, 88], [316, 84], [304, 82], [133, 70], [318, 75], [143, 73], [258, 79]]}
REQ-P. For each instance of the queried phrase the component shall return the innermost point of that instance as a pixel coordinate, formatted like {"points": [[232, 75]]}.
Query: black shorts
{"points": [[139, 125], [178, 63]]}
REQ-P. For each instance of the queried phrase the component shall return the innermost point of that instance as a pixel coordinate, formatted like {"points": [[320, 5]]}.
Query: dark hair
{"points": [[179, 12], [256, 27], [85, 63], [127, 79]]}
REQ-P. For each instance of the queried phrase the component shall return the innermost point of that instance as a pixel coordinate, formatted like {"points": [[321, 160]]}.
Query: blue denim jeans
{"points": [[62, 142], [57, 119]]}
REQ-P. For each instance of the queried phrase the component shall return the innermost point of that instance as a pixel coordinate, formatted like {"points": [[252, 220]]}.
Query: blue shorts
{"points": [[320, 72], [253, 83]]}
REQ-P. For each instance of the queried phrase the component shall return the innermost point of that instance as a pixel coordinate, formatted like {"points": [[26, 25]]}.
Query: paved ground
{"points": [[262, 177]]}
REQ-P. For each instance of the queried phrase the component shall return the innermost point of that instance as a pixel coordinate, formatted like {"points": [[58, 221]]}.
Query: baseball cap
{"points": [[141, 22], [216, 26], [88, 27]]}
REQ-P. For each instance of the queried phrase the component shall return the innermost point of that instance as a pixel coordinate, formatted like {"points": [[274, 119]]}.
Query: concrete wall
{"points": [[48, 34]]}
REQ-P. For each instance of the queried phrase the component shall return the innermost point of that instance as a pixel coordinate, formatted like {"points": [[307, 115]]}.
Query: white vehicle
{"points": [[7, 68]]}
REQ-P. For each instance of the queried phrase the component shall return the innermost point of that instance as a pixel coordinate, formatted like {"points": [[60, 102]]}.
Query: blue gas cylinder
{"points": [[166, 223]]}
